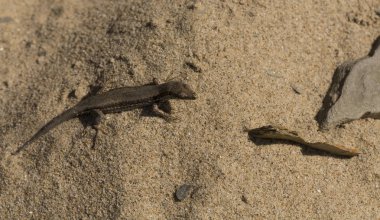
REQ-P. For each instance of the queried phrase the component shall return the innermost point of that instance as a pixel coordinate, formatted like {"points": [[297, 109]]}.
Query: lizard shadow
{"points": [[307, 151], [91, 119]]}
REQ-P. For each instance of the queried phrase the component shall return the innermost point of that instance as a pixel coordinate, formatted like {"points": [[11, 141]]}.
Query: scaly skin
{"points": [[118, 100]]}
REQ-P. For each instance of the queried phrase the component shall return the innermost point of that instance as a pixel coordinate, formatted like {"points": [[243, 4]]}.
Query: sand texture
{"points": [[252, 63]]}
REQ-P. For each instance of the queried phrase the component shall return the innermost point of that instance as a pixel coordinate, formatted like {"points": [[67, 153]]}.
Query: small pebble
{"points": [[152, 24], [377, 172], [6, 84], [40, 60], [244, 199], [377, 11], [72, 95], [193, 67], [81, 91], [41, 52], [296, 89], [273, 74], [77, 64], [57, 11], [195, 5], [6, 19], [28, 44], [183, 192]]}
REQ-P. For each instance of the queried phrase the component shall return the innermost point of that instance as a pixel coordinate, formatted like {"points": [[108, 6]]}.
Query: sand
{"points": [[243, 58]]}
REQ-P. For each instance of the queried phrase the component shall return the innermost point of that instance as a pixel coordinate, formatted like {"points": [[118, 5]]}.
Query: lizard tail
{"points": [[66, 115]]}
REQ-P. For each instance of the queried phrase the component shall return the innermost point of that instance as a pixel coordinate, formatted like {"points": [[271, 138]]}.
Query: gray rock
{"points": [[6, 19], [354, 92], [377, 11], [183, 191]]}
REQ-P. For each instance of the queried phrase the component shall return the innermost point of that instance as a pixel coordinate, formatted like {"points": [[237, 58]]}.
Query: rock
{"points": [[57, 11], [41, 60], [354, 92], [377, 11], [377, 172], [77, 64], [193, 66], [244, 199], [183, 191], [296, 88], [6, 19]]}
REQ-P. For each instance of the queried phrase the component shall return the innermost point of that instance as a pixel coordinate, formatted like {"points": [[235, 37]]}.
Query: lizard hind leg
{"points": [[165, 106], [156, 81], [97, 116]]}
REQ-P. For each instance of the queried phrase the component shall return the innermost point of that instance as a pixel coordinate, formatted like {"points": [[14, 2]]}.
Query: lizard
{"points": [[119, 100]]}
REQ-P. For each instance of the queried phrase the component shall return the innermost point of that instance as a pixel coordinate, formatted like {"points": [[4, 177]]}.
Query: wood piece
{"points": [[272, 132]]}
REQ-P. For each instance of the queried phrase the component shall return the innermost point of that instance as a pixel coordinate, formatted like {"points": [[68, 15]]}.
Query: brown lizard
{"points": [[118, 100]]}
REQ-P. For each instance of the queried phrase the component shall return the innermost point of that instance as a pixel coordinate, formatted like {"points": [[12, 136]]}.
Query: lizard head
{"points": [[181, 90]]}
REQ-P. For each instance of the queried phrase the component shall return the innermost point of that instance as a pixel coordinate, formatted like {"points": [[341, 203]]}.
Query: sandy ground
{"points": [[242, 57]]}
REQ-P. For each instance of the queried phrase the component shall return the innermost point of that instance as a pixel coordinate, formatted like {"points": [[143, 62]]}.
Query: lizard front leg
{"points": [[97, 118], [163, 108], [162, 112]]}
